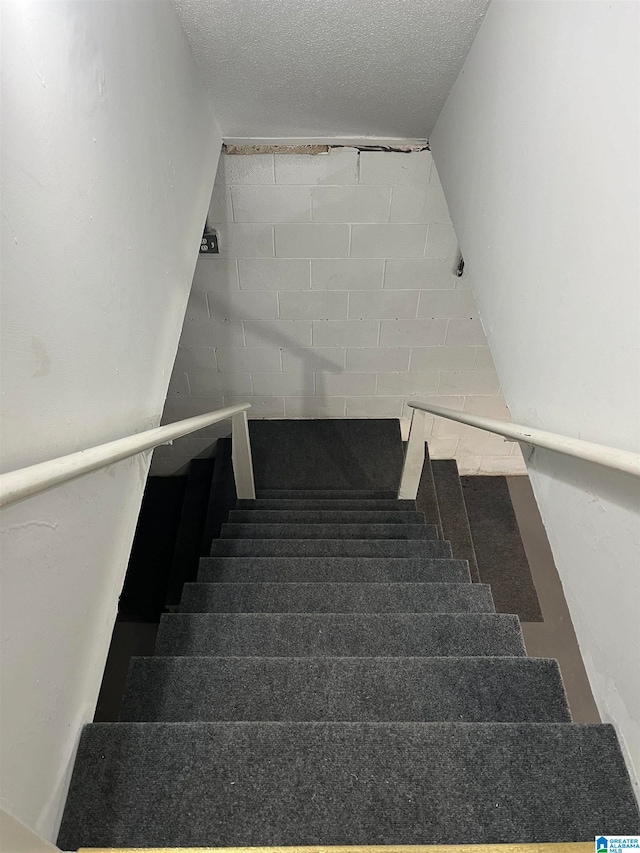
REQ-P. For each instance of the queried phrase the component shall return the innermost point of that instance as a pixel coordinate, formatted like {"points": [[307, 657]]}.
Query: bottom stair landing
{"points": [[334, 678]]}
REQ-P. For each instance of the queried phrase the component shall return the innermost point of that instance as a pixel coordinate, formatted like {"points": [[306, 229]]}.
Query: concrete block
{"points": [[420, 273], [271, 204], [277, 333], [301, 361], [353, 333], [374, 407], [447, 303], [312, 241], [248, 359], [315, 407], [350, 204], [464, 332], [338, 166], [346, 273], [412, 333], [385, 167], [381, 304], [245, 169], [243, 305], [419, 204], [274, 274], [314, 305], [417, 384], [378, 359], [442, 358], [284, 384], [345, 384], [473, 383], [220, 209], [441, 242], [388, 241], [214, 273], [239, 240]]}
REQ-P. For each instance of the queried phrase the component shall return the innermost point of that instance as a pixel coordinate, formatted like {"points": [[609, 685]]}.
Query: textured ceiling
{"points": [[300, 68]]}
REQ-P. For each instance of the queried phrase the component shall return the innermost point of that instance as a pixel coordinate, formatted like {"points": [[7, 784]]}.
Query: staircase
{"points": [[334, 677]]}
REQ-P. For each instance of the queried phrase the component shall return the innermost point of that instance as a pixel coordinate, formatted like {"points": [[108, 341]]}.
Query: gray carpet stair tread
{"points": [[326, 454], [328, 531], [333, 504], [417, 689], [339, 634], [332, 570], [316, 516], [336, 598], [453, 512], [326, 494], [241, 784], [330, 548]]}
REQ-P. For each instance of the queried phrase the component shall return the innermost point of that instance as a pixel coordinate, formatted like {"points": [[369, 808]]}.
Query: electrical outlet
{"points": [[209, 244]]}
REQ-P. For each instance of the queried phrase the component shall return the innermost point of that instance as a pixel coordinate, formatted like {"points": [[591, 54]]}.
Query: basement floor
{"points": [[553, 638]]}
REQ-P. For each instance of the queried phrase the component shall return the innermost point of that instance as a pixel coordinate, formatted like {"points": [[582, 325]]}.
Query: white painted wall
{"points": [[537, 148], [335, 295], [292, 68], [109, 155]]}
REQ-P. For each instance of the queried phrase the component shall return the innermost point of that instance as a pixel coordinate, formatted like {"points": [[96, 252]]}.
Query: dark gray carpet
{"points": [[328, 504], [332, 570], [240, 784], [339, 634], [345, 689], [501, 557], [336, 598], [453, 513], [328, 531], [330, 548], [326, 454], [326, 494], [320, 516]]}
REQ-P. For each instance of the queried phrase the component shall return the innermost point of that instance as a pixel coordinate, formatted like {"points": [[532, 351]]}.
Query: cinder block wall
{"points": [[335, 295]]}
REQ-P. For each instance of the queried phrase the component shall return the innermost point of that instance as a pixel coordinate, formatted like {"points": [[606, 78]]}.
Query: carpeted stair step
{"points": [[285, 516], [339, 634], [241, 784], [330, 548], [325, 494], [336, 598], [328, 531], [326, 453], [345, 689], [332, 570], [335, 504]]}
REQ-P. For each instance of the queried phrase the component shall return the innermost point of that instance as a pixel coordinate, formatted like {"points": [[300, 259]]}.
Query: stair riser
{"points": [[325, 494], [328, 531], [340, 635], [330, 548], [333, 505], [345, 689], [239, 516], [332, 570], [336, 598]]}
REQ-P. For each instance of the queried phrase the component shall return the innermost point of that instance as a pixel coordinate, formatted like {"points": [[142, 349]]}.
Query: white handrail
{"points": [[611, 457], [24, 482]]}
